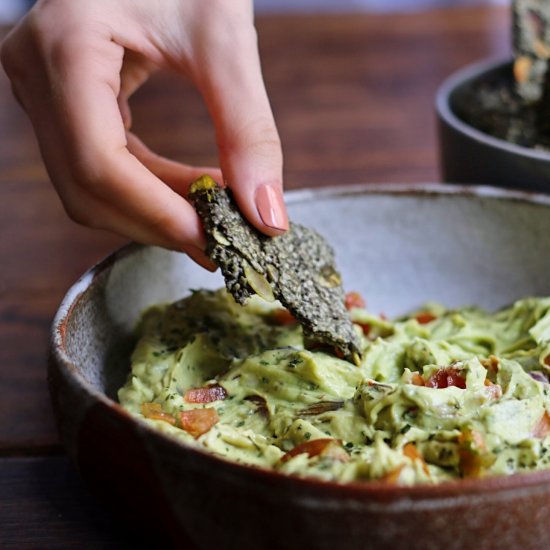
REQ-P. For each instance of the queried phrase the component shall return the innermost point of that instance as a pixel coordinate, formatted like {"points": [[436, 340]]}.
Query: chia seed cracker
{"points": [[296, 268]]}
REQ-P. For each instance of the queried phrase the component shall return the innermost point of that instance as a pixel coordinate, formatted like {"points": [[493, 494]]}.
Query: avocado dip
{"points": [[440, 394]]}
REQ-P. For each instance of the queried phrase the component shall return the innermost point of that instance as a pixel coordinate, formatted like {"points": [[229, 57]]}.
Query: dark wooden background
{"points": [[353, 99]]}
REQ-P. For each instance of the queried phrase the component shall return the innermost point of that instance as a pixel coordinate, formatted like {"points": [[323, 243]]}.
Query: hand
{"points": [[73, 66]]}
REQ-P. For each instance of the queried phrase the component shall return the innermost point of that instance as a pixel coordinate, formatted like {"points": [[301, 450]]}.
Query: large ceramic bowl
{"points": [[399, 246], [470, 156]]}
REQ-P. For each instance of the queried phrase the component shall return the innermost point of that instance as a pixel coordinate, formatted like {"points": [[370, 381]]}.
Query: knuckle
{"points": [[79, 214], [257, 138], [81, 173], [67, 52]]}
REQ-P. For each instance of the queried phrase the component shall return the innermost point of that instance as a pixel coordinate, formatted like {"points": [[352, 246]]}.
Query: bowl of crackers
{"points": [[493, 115]]}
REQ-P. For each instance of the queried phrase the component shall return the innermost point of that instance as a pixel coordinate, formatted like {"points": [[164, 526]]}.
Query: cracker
{"points": [[531, 43], [296, 268]]}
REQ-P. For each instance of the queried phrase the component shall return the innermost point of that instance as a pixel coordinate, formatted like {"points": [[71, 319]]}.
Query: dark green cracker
{"points": [[296, 268]]}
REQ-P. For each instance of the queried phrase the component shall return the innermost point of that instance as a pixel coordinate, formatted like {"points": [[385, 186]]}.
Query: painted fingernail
{"points": [[271, 207]]}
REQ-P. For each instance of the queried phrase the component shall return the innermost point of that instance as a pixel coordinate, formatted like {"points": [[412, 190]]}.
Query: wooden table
{"points": [[353, 98]]}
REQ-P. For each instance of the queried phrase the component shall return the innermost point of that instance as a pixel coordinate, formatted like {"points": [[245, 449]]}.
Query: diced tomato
{"points": [[283, 317], [547, 360], [413, 453], [493, 389], [154, 411], [365, 327], [314, 447], [336, 452], [198, 421], [473, 454], [213, 392], [542, 427], [354, 300], [417, 380], [425, 317], [393, 475], [446, 377]]}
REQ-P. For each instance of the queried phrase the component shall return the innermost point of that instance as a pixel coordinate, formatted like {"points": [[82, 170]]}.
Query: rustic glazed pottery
{"points": [[470, 156], [398, 246]]}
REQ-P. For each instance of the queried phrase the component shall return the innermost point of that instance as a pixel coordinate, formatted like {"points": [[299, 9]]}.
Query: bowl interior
{"points": [[398, 246], [462, 92]]}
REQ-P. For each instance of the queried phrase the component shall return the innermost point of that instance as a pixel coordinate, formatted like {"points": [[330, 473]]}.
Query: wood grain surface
{"points": [[353, 99]]}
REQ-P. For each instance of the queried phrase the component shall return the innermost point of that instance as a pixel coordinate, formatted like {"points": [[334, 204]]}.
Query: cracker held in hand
{"points": [[296, 268]]}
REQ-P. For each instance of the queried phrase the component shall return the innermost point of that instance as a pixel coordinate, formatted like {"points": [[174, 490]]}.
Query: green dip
{"points": [[440, 394]]}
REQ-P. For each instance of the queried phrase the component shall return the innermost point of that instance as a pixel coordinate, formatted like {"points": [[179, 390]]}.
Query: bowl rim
{"points": [[443, 109], [373, 491]]}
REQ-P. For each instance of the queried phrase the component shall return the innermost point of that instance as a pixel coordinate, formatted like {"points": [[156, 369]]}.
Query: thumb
{"points": [[248, 141]]}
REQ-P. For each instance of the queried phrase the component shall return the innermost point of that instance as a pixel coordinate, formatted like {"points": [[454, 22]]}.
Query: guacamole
{"points": [[440, 394]]}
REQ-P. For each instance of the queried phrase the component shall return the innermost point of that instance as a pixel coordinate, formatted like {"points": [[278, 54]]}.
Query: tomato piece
{"points": [[314, 447], [425, 317], [473, 454], [410, 451], [283, 317], [198, 421], [417, 380], [393, 475], [207, 394], [339, 353], [365, 327], [542, 427], [154, 411], [336, 452], [354, 300], [446, 377]]}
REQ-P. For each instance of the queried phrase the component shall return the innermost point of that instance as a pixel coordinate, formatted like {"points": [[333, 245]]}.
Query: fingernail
{"points": [[271, 207], [200, 257]]}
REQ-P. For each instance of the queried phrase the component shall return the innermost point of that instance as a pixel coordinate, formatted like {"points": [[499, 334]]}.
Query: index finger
{"points": [[88, 72]]}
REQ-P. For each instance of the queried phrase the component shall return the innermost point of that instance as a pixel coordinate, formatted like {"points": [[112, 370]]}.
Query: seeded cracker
{"points": [[531, 41], [296, 268]]}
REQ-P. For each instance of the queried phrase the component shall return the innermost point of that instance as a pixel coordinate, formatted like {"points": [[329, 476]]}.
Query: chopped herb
{"points": [[294, 362]]}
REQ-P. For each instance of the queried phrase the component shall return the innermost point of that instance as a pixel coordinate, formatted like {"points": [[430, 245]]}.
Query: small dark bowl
{"points": [[470, 156], [399, 246]]}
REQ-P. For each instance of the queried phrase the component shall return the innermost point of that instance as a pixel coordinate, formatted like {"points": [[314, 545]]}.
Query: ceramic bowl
{"points": [[468, 155], [399, 246]]}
